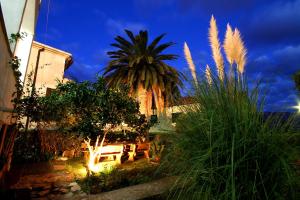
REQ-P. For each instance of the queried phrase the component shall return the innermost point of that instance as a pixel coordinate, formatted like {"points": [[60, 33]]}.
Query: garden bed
{"points": [[127, 174]]}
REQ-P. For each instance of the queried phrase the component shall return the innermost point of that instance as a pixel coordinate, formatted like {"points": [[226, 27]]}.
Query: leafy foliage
{"points": [[101, 182], [224, 148], [28, 149], [138, 63], [87, 107]]}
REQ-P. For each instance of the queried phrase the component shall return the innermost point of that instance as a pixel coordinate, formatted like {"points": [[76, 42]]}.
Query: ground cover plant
{"points": [[223, 147], [123, 176]]}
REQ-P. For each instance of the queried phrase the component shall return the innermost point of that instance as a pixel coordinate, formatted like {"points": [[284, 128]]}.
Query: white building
{"points": [[16, 16], [20, 16]]}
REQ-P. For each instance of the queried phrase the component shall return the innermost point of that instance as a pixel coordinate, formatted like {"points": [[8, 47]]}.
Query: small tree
{"points": [[87, 107]]}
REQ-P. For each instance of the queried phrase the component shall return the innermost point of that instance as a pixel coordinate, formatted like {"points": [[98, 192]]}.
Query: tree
{"points": [[143, 67], [87, 107]]}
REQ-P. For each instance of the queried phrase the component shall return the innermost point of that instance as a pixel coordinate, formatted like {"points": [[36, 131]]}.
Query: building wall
{"points": [[7, 78], [12, 13], [51, 66], [27, 26]]}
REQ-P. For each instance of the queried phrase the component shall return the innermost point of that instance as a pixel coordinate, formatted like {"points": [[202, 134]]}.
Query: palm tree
{"points": [[142, 66]]}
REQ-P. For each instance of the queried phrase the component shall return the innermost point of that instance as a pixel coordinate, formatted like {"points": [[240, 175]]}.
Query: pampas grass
{"points": [[189, 59], [240, 55], [208, 75], [223, 147], [228, 45], [216, 47]]}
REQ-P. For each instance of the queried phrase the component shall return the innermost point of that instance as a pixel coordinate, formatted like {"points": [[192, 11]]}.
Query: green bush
{"points": [[101, 182], [223, 147], [27, 148]]}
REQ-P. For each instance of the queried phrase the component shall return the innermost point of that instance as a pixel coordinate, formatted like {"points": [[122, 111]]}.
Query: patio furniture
{"points": [[142, 149], [112, 152]]}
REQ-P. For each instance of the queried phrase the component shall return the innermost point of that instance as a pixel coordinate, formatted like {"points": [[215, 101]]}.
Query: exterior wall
{"points": [[51, 66], [20, 16], [28, 24], [12, 13], [7, 78], [66, 80], [179, 109], [15, 17]]}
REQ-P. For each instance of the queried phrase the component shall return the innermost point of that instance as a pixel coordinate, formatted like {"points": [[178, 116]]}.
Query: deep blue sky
{"points": [[270, 29]]}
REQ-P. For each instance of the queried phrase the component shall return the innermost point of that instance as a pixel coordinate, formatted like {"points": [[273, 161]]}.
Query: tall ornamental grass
{"points": [[223, 146]]}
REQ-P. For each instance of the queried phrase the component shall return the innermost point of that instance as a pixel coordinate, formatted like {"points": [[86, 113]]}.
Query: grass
{"points": [[223, 148], [130, 173]]}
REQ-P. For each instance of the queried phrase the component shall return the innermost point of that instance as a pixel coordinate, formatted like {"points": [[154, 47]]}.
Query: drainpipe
{"points": [[34, 81]]}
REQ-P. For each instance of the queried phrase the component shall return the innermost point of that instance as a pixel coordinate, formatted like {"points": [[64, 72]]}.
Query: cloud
{"points": [[283, 61], [275, 72], [100, 56], [82, 71], [116, 27], [217, 6], [53, 34], [70, 47], [275, 22]]}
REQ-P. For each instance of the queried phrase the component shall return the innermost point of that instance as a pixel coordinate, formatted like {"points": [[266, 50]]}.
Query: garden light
{"points": [[297, 107]]}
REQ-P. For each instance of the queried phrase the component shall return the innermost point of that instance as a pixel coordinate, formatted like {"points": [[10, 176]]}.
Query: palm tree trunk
{"points": [[155, 92], [160, 99], [149, 103], [142, 98]]}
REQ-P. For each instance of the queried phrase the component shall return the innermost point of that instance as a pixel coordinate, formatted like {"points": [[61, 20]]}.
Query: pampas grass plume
{"points": [[190, 62], [241, 51], [216, 47], [208, 75]]}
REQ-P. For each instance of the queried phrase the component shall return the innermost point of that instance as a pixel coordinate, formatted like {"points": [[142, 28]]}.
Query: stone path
{"points": [[57, 184], [137, 192]]}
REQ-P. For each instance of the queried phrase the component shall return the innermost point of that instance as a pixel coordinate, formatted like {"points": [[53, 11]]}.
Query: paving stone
{"points": [[137, 192], [43, 193], [59, 167], [51, 196], [63, 190], [68, 195], [72, 184], [55, 189], [82, 194], [75, 188]]}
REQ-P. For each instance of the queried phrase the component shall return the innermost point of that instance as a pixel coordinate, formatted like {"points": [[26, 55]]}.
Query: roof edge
{"points": [[53, 49]]}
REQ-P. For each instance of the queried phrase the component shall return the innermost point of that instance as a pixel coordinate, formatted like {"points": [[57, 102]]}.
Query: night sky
{"points": [[270, 29]]}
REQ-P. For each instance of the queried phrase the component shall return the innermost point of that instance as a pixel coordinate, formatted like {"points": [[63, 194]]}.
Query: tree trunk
{"points": [[149, 103], [142, 98], [159, 100]]}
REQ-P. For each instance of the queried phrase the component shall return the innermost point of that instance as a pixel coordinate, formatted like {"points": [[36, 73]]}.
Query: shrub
{"points": [[101, 182], [223, 148], [27, 148]]}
